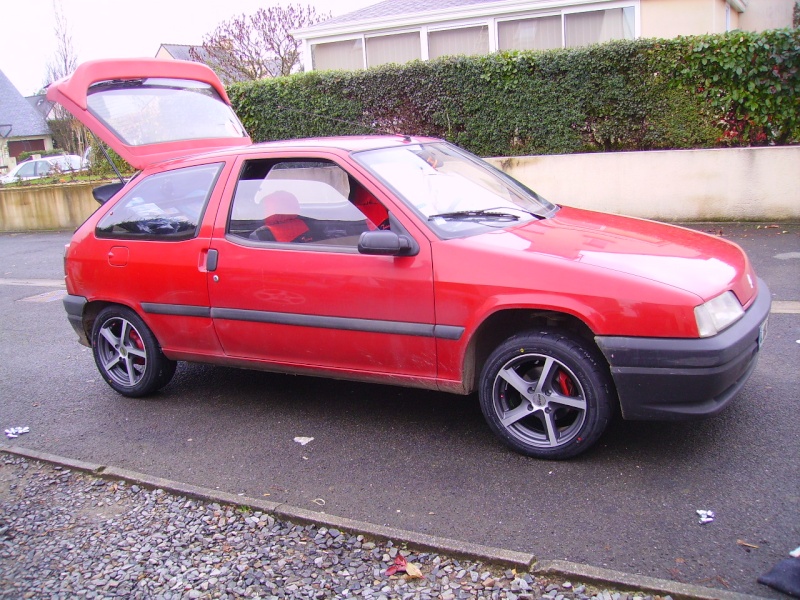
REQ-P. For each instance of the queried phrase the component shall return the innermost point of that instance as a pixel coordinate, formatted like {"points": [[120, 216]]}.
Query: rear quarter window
{"points": [[165, 206]]}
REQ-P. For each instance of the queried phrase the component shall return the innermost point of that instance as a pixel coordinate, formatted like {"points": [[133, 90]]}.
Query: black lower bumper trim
{"points": [[74, 306], [670, 379]]}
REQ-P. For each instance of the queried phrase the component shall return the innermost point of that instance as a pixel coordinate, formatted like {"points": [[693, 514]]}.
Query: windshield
{"points": [[160, 110], [455, 192]]}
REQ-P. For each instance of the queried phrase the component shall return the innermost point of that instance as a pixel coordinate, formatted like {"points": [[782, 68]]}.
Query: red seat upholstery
{"points": [[283, 220], [375, 212]]}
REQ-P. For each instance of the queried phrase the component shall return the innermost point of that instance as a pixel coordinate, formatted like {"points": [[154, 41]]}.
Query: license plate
{"points": [[762, 332]]}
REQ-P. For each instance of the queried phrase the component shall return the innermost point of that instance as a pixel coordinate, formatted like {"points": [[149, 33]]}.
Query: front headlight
{"points": [[717, 314]]}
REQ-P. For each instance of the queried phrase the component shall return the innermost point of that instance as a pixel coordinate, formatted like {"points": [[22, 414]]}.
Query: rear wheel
{"points": [[546, 394], [127, 353]]}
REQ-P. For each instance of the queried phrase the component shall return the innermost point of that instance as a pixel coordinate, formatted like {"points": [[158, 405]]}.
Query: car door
{"points": [[29, 170], [291, 288]]}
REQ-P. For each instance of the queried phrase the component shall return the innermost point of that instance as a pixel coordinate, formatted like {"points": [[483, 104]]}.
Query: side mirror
{"points": [[104, 193], [386, 243]]}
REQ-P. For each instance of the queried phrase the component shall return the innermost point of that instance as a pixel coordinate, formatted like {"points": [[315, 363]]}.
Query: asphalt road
{"points": [[426, 461]]}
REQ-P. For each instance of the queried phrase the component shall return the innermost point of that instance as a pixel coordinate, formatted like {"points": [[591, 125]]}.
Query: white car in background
{"points": [[42, 167]]}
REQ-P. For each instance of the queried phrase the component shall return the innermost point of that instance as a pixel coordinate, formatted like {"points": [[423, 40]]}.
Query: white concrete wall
{"points": [[747, 184], [45, 207], [678, 185]]}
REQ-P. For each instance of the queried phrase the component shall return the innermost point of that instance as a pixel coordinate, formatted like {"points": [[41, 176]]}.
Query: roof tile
{"points": [[16, 111], [396, 8]]}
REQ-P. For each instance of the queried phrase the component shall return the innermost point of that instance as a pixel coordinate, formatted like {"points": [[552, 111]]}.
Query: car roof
{"points": [[341, 144], [348, 143]]}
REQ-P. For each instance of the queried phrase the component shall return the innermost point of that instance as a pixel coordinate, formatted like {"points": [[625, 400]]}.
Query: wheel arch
{"points": [[92, 309], [501, 325]]}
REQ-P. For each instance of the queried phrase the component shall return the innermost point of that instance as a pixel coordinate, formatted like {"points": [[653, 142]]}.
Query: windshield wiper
{"points": [[480, 215]]}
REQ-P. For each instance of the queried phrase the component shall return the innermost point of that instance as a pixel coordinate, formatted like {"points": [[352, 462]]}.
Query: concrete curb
{"points": [[418, 541], [626, 581]]}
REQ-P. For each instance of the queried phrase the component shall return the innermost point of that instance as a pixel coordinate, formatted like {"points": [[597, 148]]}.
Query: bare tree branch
{"points": [[258, 45], [65, 60], [68, 133]]}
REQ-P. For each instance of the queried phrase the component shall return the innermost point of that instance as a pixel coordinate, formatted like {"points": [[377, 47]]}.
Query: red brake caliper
{"points": [[565, 383], [134, 335]]}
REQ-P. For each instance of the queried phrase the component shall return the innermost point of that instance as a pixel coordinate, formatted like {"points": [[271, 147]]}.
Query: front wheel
{"points": [[546, 394], [127, 353]]}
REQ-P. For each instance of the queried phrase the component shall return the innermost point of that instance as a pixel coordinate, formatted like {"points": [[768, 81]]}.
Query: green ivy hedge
{"points": [[734, 89]]}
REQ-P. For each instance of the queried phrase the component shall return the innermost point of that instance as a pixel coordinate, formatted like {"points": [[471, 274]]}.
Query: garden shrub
{"points": [[739, 88], [25, 155], [750, 80]]}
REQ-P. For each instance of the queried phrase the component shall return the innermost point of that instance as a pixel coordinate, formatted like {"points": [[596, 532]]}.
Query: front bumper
{"points": [[671, 379]]}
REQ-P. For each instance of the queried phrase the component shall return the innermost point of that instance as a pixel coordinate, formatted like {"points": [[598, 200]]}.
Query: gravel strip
{"points": [[67, 534]]}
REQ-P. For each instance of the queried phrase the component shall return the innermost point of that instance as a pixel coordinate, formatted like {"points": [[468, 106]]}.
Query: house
{"points": [[45, 107], [398, 31], [223, 62], [194, 54], [22, 127], [182, 52]]}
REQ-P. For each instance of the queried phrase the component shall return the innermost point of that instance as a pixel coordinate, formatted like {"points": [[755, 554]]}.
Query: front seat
{"points": [[282, 222], [377, 215]]}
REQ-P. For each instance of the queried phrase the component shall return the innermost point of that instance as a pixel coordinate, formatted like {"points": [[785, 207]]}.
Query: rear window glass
{"points": [[159, 110], [166, 206]]}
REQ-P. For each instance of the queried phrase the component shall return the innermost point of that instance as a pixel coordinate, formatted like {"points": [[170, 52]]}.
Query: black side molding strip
{"points": [[182, 310], [445, 332], [448, 332]]}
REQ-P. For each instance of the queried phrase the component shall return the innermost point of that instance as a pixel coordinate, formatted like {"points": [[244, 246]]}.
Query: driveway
{"points": [[425, 461]]}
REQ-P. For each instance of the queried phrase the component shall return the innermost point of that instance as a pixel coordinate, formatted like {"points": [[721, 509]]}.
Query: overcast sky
{"points": [[115, 29]]}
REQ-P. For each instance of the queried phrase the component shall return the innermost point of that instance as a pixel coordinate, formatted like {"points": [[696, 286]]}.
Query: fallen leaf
{"points": [[413, 571], [745, 544], [399, 565]]}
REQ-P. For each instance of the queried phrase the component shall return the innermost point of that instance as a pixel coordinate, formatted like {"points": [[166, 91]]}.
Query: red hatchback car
{"points": [[389, 259]]}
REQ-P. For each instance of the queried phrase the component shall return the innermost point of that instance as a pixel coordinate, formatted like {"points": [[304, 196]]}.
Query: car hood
{"points": [[695, 262], [151, 110]]}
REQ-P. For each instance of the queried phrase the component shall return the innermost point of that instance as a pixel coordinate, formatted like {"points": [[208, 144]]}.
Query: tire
{"points": [[546, 394], [127, 353]]}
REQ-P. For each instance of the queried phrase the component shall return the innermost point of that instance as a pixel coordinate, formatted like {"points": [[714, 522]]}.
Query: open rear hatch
{"points": [[150, 110]]}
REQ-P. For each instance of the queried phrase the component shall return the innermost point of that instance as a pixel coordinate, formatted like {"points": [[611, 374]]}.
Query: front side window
{"points": [[456, 193], [315, 203], [159, 110], [27, 170], [165, 206], [44, 167]]}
